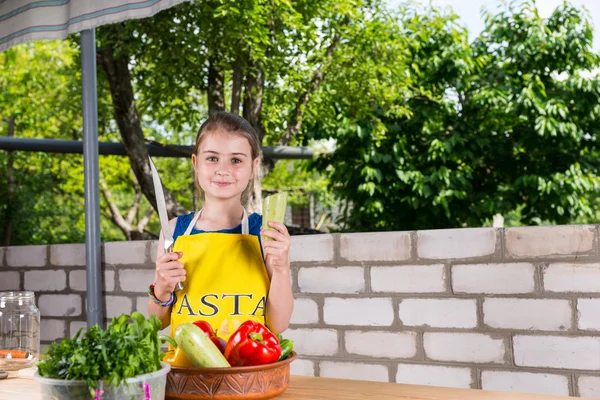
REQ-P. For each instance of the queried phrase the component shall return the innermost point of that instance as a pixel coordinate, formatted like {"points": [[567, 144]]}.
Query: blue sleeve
{"points": [[254, 225]]}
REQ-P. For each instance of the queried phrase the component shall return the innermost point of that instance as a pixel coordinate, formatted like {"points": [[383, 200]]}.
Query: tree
{"points": [[504, 123]]}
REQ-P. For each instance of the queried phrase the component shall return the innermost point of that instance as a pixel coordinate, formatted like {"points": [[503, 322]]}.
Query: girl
{"points": [[225, 280]]}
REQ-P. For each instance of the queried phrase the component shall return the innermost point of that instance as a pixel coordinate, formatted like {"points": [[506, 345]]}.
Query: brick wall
{"points": [[514, 309]]}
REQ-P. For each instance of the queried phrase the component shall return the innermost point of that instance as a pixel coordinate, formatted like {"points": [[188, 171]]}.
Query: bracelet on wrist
{"points": [[172, 300]]}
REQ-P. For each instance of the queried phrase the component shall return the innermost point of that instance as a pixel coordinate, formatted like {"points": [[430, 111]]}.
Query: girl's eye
{"points": [[211, 158], [236, 160]]}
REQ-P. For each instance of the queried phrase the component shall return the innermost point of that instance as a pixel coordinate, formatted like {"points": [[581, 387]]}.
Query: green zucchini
{"points": [[274, 207], [286, 348], [196, 345]]}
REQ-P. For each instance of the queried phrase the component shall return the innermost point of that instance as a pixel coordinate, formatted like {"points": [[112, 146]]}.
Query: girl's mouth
{"points": [[222, 184]]}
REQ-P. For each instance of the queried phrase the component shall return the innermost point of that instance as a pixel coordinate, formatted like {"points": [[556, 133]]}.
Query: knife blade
{"points": [[162, 214]]}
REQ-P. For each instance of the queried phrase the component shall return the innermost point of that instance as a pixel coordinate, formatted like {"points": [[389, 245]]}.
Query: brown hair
{"points": [[230, 123]]}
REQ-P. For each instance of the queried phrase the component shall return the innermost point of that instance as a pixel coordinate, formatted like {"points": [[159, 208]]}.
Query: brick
{"points": [[588, 314], [306, 311], [375, 246], [557, 352], [464, 347], [354, 371], [302, 367], [582, 278], [305, 248], [534, 314], [45, 280], [525, 382], [539, 241], [589, 386], [331, 280], [67, 255], [52, 329], [397, 344], [117, 305], [74, 326], [9, 280], [153, 247], [511, 278], [433, 375], [26, 256], [367, 312], [125, 253], [314, 342], [60, 305], [136, 280], [439, 313], [77, 280], [141, 305], [443, 244], [409, 279]]}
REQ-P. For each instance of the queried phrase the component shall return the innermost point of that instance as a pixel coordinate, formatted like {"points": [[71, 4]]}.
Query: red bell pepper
{"points": [[210, 332], [252, 344]]}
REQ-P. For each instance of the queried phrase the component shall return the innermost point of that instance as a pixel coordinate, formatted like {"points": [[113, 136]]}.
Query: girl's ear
{"points": [[194, 159], [255, 165]]}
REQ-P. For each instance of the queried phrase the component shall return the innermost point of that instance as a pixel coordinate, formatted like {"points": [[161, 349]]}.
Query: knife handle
{"points": [[179, 285]]}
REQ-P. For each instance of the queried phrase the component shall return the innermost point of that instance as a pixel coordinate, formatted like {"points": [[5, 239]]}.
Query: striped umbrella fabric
{"points": [[28, 20]]}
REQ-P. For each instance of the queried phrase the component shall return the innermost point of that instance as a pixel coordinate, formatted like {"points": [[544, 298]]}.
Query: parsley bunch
{"points": [[130, 346]]}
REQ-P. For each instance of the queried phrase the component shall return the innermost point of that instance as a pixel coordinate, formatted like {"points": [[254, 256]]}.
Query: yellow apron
{"points": [[226, 279]]}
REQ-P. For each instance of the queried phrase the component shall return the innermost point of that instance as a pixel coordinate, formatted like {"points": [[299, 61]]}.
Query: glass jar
{"points": [[19, 330]]}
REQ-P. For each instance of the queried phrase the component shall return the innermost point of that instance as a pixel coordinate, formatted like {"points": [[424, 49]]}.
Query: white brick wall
{"points": [[74, 326], [365, 312], [59, 305], [439, 313], [456, 243], [463, 347], [493, 278], [125, 253], [77, 280], [26, 256], [52, 329], [45, 280], [381, 344], [136, 280], [302, 367], [589, 386], [314, 342], [117, 305], [584, 278], [548, 240], [331, 280], [318, 248], [375, 246], [588, 314], [9, 280], [525, 382], [306, 311], [409, 279], [433, 375], [534, 314], [67, 255], [557, 352], [355, 371]]}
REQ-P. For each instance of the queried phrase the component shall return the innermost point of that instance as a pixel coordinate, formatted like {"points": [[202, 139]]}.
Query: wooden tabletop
{"points": [[309, 388]]}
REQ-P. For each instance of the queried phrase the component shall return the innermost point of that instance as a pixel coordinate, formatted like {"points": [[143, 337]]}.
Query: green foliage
{"points": [[505, 123]]}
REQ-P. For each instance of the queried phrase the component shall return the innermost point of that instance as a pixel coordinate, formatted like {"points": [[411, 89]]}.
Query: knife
{"points": [[162, 214]]}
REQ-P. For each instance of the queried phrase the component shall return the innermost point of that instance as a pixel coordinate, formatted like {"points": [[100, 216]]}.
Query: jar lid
{"points": [[17, 295]]}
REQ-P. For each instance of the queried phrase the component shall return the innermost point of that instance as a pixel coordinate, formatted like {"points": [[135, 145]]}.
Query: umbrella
{"points": [[27, 20]]}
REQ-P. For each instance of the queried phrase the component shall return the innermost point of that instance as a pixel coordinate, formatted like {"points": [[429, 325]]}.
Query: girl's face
{"points": [[224, 165]]}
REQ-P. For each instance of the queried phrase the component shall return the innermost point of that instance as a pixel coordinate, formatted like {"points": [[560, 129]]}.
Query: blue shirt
{"points": [[183, 221]]}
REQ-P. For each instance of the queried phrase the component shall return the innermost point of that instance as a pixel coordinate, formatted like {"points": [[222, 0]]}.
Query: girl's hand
{"points": [[277, 251], [169, 271]]}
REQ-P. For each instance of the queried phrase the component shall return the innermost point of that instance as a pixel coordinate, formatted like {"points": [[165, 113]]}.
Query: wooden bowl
{"points": [[256, 383]]}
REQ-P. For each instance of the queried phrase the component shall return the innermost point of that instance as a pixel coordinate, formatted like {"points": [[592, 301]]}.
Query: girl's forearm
{"points": [[163, 313], [280, 302]]}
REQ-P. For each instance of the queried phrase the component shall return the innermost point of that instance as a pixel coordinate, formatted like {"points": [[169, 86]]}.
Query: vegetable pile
{"points": [[130, 346], [251, 344]]}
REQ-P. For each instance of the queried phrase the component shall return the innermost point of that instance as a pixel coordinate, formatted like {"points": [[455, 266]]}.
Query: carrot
{"points": [[13, 354]]}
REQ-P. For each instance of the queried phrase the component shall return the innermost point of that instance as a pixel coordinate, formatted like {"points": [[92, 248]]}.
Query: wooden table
{"points": [[309, 388]]}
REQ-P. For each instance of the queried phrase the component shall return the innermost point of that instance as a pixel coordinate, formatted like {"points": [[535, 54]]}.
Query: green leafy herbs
{"points": [[130, 346]]}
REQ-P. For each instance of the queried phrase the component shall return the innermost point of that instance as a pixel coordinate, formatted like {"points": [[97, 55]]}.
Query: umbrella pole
{"points": [[93, 258]]}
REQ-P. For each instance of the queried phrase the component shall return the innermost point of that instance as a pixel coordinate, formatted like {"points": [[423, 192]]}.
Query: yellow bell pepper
{"points": [[177, 359]]}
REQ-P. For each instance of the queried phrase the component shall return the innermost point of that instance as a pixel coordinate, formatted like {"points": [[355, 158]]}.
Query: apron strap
{"points": [[245, 225]]}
